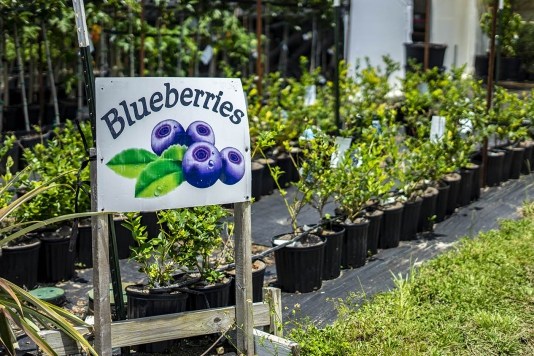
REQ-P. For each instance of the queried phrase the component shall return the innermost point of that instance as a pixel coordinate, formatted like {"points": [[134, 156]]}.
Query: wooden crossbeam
{"points": [[188, 324]]}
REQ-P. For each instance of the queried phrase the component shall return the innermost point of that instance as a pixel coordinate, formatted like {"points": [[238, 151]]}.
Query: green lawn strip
{"points": [[476, 299]]}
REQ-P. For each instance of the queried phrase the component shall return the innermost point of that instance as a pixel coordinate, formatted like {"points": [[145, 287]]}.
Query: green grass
{"points": [[477, 299]]}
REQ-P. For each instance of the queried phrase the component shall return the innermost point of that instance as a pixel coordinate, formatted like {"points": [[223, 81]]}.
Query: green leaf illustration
{"points": [[159, 178], [131, 162], [174, 152]]}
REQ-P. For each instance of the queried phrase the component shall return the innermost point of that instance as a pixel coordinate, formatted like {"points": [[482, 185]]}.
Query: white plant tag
{"points": [[437, 128], [466, 126], [423, 88], [310, 96], [207, 54], [343, 144]]}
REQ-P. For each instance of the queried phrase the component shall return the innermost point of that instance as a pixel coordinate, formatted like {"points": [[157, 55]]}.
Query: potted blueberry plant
{"points": [[361, 175], [317, 185], [299, 265]]}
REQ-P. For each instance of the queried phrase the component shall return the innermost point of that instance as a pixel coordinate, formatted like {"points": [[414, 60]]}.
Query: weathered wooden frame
{"points": [[188, 324]]}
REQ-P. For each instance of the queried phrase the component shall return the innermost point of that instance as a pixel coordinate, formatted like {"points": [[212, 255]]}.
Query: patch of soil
{"points": [[257, 249], [306, 241], [256, 265]]}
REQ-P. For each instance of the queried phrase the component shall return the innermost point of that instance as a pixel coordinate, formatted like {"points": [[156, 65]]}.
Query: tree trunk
{"points": [[160, 55], [40, 71], [131, 39], [80, 89], [22, 84], [314, 43], [31, 75], [180, 46], [197, 49], [3, 83], [103, 50], [142, 49], [51, 75], [282, 62]]}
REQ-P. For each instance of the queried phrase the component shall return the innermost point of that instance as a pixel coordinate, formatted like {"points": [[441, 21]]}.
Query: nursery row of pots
{"points": [[262, 180], [302, 268]]}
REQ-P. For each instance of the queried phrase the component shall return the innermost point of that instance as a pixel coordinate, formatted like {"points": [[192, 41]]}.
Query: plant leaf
{"points": [[131, 162], [159, 178], [174, 152]]}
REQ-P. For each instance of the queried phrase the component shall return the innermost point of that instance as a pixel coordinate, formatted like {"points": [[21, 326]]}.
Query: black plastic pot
{"points": [[495, 168], [417, 51], [268, 185], [300, 269], [410, 219], [354, 251], [150, 220], [56, 262], [481, 66], [209, 296], [507, 165], [441, 201], [333, 252], [526, 167], [373, 232], [257, 284], [142, 305], [84, 246], [464, 190], [509, 68], [391, 226], [286, 166], [476, 184], [453, 180], [257, 180], [517, 162], [19, 264], [428, 209], [124, 239]]}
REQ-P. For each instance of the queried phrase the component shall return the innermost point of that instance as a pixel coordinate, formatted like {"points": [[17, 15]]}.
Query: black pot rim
{"points": [[212, 287], [35, 242], [169, 294], [308, 248]]}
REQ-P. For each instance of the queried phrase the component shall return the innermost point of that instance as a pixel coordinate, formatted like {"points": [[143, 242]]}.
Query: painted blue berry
{"points": [[200, 131], [202, 164], [166, 133], [233, 166]]}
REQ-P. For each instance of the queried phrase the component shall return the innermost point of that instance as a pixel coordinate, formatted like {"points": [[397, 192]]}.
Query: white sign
{"points": [[437, 128], [342, 144], [310, 96], [165, 143]]}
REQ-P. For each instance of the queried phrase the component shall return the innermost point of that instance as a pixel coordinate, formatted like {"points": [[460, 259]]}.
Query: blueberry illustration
{"points": [[199, 131], [165, 134], [202, 164], [233, 166]]}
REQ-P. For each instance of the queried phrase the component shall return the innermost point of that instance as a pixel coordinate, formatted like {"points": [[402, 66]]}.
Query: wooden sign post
{"points": [[166, 175], [99, 224]]}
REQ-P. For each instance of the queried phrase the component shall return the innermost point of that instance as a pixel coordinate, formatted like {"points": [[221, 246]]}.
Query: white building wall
{"points": [[380, 27], [456, 23], [377, 28]]}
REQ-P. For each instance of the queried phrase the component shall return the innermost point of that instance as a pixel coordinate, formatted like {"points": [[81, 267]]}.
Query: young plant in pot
{"points": [[199, 230], [299, 265], [226, 257], [159, 261], [18, 308], [60, 160], [317, 185], [413, 183], [506, 124], [360, 176]]}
